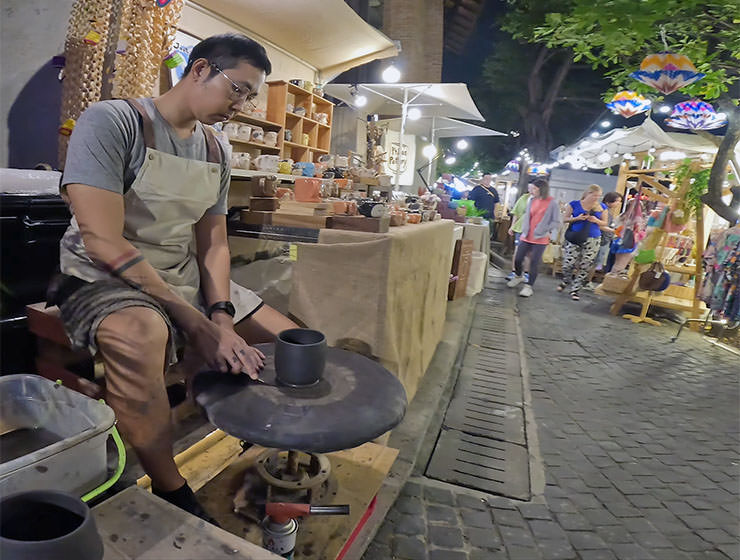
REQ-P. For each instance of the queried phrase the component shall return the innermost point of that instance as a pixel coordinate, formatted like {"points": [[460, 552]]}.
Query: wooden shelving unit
{"points": [[283, 93]]}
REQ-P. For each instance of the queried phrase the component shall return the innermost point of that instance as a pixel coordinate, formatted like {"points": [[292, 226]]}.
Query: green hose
{"points": [[116, 475]]}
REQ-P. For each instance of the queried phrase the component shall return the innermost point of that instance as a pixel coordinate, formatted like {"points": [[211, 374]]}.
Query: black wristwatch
{"points": [[225, 306]]}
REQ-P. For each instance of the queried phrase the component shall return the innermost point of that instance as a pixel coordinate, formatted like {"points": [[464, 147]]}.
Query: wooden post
{"points": [[622, 178], [698, 278]]}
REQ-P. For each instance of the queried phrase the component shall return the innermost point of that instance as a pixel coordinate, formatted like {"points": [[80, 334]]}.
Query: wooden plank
{"points": [[298, 220], [204, 460], [657, 186], [359, 474], [361, 223], [136, 525]]}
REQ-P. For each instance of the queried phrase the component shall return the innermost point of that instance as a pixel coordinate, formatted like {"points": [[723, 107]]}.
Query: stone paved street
{"points": [[637, 440]]}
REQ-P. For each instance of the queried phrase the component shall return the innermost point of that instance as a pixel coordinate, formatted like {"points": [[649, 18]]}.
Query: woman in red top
{"points": [[541, 219]]}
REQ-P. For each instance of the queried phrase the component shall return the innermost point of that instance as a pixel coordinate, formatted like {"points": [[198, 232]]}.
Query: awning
{"points": [[328, 36], [608, 149], [440, 100], [443, 127]]}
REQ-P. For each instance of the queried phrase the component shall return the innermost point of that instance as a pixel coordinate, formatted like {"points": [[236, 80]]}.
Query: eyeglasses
{"points": [[237, 93]]}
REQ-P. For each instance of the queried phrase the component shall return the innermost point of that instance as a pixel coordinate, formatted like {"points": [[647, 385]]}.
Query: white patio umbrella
{"points": [[432, 100], [443, 127]]}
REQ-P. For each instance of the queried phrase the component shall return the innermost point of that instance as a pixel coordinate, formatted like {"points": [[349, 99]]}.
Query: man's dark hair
{"points": [[610, 197], [487, 173], [228, 50]]}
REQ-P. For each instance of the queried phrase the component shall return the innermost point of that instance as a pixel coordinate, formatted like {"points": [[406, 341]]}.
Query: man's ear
{"points": [[200, 70]]}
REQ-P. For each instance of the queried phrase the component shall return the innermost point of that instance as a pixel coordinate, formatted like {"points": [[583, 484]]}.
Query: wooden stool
{"points": [[55, 359]]}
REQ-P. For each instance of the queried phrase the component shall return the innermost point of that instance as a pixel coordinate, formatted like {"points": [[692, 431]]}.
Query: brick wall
{"points": [[419, 25]]}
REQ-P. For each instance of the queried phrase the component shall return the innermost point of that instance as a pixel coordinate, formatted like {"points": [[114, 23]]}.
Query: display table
{"points": [[381, 294], [481, 236]]}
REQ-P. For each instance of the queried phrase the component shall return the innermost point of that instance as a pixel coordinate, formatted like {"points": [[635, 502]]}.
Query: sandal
{"points": [[561, 286], [574, 296]]}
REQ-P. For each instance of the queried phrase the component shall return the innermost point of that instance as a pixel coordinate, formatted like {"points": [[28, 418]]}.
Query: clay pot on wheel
{"points": [[300, 357], [47, 524]]}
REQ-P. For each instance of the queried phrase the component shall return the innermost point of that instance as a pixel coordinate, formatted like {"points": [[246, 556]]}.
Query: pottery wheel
{"points": [[356, 401]]}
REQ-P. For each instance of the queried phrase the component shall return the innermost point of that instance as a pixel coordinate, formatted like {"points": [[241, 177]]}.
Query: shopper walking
{"points": [[517, 217], [585, 217], [541, 220]]}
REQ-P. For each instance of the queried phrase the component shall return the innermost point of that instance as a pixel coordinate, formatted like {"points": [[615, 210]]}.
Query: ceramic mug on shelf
{"points": [[288, 135], [285, 166], [289, 107], [300, 111], [244, 132], [232, 129], [298, 83], [240, 160], [327, 159], [305, 139], [258, 135], [267, 163], [323, 118], [271, 138]]}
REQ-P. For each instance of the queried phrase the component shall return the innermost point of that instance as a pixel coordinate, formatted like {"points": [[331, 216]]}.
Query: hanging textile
{"points": [[721, 288]]}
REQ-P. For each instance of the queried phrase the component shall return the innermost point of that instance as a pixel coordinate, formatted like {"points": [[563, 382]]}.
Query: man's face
{"points": [[226, 92], [486, 180]]}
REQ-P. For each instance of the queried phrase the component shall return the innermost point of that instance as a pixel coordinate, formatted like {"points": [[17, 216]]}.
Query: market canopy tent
{"points": [[443, 127], [608, 149], [433, 100], [328, 36]]}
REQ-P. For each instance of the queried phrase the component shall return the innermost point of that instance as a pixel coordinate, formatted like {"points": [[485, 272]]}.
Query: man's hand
{"points": [[592, 219], [223, 349], [510, 232]]}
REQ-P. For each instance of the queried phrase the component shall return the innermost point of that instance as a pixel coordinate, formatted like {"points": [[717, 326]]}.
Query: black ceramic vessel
{"points": [[47, 524], [300, 357]]}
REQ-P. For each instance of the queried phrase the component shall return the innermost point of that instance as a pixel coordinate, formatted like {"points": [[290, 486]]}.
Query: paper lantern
{"points": [[667, 72], [695, 115], [628, 104], [513, 165]]}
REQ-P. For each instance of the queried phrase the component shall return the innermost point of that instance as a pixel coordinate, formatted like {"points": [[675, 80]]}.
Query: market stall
{"points": [[383, 294]]}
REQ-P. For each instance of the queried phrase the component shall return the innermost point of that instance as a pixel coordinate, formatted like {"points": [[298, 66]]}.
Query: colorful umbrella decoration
{"points": [[667, 72], [513, 165], [628, 104], [537, 169], [695, 115]]}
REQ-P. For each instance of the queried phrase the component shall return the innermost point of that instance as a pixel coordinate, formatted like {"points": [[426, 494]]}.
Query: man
{"points": [[485, 197], [145, 262]]}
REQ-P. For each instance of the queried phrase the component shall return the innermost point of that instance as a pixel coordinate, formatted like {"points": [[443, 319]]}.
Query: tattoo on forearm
{"points": [[121, 260], [128, 264]]}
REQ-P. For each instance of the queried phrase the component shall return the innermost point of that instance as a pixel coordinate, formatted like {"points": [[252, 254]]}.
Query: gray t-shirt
{"points": [[107, 149]]}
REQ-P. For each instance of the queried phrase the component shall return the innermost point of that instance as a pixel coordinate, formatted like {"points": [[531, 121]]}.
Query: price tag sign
{"points": [[293, 252]]}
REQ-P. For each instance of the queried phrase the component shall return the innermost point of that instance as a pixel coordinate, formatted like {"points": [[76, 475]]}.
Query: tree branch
{"points": [[534, 80], [557, 83], [726, 150]]}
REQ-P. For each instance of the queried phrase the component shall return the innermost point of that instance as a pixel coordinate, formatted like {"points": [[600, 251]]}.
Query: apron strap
{"points": [[214, 152], [146, 123]]}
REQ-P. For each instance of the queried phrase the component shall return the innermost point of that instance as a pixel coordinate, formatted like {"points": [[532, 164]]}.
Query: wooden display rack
{"points": [[319, 135], [657, 191]]}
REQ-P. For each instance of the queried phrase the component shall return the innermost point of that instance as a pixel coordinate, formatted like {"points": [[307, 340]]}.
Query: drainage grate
{"points": [[487, 388], [483, 464], [492, 359], [487, 419], [492, 339], [496, 324]]}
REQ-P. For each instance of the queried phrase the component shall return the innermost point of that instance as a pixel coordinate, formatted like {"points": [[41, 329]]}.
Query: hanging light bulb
{"points": [[605, 124], [391, 75], [449, 160], [594, 134], [413, 114], [462, 144], [429, 151], [360, 101]]}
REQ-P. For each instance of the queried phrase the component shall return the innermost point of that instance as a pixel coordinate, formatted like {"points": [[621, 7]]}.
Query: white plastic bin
{"points": [[477, 276], [51, 437]]}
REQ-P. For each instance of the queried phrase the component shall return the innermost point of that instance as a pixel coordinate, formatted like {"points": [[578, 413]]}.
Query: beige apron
{"points": [[162, 228]]}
